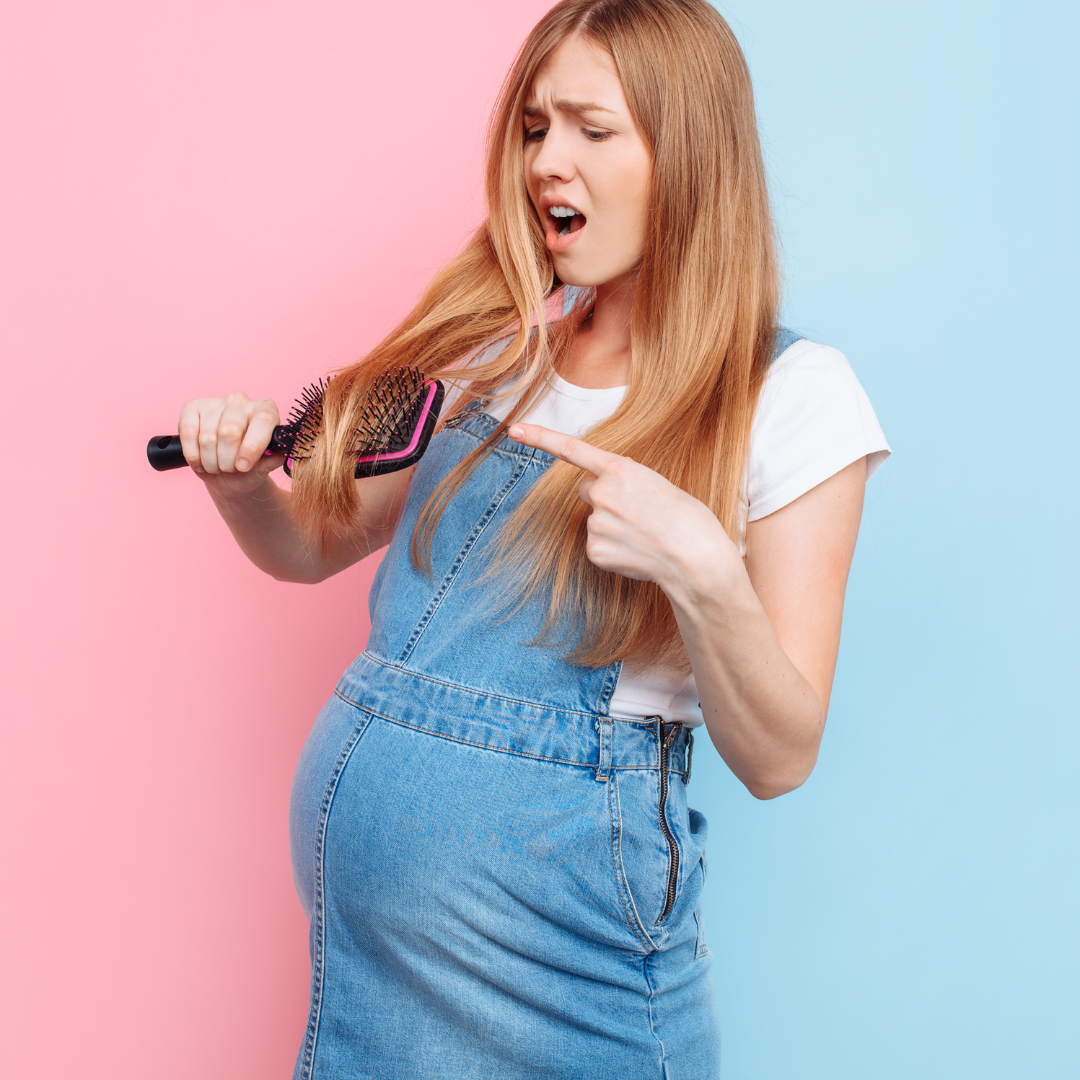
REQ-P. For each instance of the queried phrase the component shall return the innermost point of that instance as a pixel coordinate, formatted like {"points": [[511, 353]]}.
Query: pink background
{"points": [[197, 196]]}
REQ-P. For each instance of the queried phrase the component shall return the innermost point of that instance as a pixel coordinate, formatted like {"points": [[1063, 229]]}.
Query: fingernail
{"points": [[243, 463], [516, 431]]}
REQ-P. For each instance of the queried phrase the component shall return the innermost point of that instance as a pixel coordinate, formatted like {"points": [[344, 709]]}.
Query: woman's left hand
{"points": [[641, 526]]}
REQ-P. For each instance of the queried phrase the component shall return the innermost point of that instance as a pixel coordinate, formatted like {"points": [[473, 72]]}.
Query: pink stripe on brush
{"points": [[432, 388]]}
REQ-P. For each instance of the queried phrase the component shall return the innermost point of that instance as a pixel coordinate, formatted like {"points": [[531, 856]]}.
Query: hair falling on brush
{"points": [[705, 312]]}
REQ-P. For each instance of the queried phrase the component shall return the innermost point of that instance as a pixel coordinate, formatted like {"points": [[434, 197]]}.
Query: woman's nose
{"points": [[553, 161]]}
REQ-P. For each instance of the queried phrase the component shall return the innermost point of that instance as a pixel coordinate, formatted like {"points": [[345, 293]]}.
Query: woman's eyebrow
{"points": [[563, 105]]}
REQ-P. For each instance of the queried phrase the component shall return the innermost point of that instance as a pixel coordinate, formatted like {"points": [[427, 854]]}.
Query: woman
{"points": [[490, 829]]}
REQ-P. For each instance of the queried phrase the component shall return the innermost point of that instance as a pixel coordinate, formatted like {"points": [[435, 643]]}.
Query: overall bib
{"points": [[503, 880]]}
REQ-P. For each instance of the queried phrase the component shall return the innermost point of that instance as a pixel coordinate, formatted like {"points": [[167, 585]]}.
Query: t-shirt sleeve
{"points": [[813, 419]]}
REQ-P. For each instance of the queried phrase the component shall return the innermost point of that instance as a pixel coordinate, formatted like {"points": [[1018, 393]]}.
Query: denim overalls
{"points": [[503, 881]]}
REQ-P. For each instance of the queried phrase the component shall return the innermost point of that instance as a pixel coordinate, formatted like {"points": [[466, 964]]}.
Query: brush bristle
{"points": [[387, 421], [302, 427], [391, 412]]}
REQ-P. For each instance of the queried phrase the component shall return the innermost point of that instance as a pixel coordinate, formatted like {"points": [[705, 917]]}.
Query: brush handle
{"points": [[164, 452]]}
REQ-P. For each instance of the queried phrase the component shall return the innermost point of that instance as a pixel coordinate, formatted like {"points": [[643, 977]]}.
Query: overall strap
{"points": [[783, 341]]}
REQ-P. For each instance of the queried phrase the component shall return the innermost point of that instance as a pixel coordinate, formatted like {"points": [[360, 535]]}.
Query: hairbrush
{"points": [[396, 425]]}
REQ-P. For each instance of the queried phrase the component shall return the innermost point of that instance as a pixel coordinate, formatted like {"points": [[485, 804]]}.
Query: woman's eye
{"points": [[535, 136], [596, 136]]}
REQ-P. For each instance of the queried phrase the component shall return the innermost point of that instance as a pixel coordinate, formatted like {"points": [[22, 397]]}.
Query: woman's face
{"points": [[587, 168]]}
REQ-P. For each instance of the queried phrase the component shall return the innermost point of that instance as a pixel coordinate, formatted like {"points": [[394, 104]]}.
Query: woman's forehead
{"points": [[577, 77]]}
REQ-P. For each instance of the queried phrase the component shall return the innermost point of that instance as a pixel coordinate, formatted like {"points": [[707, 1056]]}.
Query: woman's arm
{"points": [[762, 637], [262, 523], [763, 640], [224, 440]]}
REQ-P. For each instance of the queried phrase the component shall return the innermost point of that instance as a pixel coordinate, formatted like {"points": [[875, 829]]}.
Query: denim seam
{"points": [[487, 746], [647, 768], [608, 689], [702, 946], [497, 750], [652, 1021], [470, 690], [644, 768], [603, 768], [459, 561], [505, 448], [638, 722], [481, 746], [317, 961], [637, 928]]}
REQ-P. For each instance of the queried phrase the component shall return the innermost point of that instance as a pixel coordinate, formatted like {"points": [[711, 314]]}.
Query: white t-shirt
{"points": [[813, 419]]}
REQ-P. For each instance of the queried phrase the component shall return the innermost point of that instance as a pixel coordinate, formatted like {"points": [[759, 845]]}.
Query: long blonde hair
{"points": [[705, 314]]}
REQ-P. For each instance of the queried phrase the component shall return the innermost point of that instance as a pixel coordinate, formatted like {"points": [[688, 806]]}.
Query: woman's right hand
{"points": [[224, 440]]}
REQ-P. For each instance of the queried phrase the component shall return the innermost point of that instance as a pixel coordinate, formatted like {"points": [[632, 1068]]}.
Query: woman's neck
{"points": [[599, 356]]}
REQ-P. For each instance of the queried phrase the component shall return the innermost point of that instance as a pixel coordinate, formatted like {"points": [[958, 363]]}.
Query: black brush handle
{"points": [[164, 452]]}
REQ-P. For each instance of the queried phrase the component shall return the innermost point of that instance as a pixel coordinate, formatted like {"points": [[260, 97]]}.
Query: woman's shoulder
{"points": [[801, 355], [813, 419]]}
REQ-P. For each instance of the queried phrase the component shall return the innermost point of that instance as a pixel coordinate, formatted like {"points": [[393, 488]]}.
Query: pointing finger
{"points": [[564, 447]]}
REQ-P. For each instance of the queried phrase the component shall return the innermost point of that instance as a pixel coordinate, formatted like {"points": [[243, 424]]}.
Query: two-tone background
{"points": [[204, 195]]}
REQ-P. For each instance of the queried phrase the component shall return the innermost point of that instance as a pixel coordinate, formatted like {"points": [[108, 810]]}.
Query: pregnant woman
{"points": [[635, 522]]}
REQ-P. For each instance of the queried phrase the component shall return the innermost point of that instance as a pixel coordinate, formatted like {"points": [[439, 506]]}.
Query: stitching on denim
{"points": [[610, 682], [702, 944], [317, 961], [633, 721], [459, 561], [644, 768], [603, 766], [488, 746], [626, 898], [469, 690], [652, 1021], [639, 767], [482, 746], [534, 456]]}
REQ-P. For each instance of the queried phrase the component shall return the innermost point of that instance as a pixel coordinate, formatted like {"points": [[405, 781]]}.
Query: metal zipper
{"points": [[667, 733]]}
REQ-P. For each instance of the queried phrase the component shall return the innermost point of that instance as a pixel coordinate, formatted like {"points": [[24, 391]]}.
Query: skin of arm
{"points": [[262, 524], [224, 440], [762, 636], [763, 640]]}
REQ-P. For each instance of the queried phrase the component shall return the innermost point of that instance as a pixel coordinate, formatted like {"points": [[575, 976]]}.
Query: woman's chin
{"points": [[577, 272], [569, 277]]}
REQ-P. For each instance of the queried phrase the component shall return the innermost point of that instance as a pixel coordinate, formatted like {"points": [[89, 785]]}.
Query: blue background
{"points": [[911, 912]]}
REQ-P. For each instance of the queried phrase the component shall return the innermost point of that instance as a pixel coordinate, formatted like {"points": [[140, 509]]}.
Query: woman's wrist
{"points": [[704, 570], [233, 501], [705, 594]]}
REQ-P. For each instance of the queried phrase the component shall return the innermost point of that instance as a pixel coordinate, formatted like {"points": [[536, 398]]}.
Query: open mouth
{"points": [[565, 220]]}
